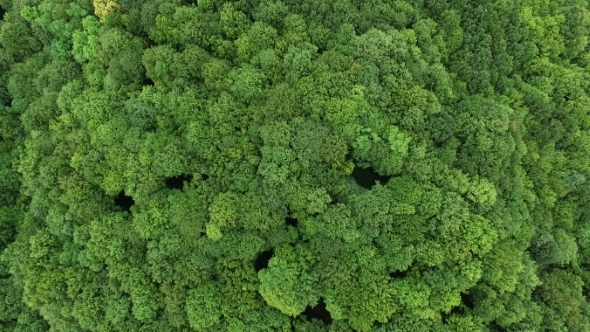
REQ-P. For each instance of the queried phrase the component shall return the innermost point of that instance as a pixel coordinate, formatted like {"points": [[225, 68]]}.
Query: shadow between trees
{"points": [[124, 202], [366, 177], [318, 312], [177, 182], [261, 261]]}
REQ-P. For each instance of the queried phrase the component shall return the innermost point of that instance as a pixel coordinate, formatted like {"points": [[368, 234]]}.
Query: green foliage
{"points": [[288, 283], [85, 41], [561, 293], [17, 39], [203, 306], [203, 165]]}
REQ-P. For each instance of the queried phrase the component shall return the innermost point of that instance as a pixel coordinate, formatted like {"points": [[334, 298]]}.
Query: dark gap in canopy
{"points": [[586, 287], [261, 261], [148, 81], [318, 312], [5, 98], [366, 177], [289, 220], [493, 327], [124, 202], [467, 300], [177, 182], [467, 303], [398, 274]]}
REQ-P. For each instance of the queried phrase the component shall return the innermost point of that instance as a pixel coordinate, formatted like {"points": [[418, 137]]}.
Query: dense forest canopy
{"points": [[294, 165]]}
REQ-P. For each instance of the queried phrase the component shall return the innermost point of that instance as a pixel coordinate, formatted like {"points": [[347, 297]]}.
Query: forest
{"points": [[294, 165]]}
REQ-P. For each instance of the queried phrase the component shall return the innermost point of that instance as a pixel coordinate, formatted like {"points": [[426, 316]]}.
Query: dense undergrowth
{"points": [[294, 165]]}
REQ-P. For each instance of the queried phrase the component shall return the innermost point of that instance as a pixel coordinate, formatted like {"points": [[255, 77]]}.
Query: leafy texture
{"points": [[294, 165]]}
